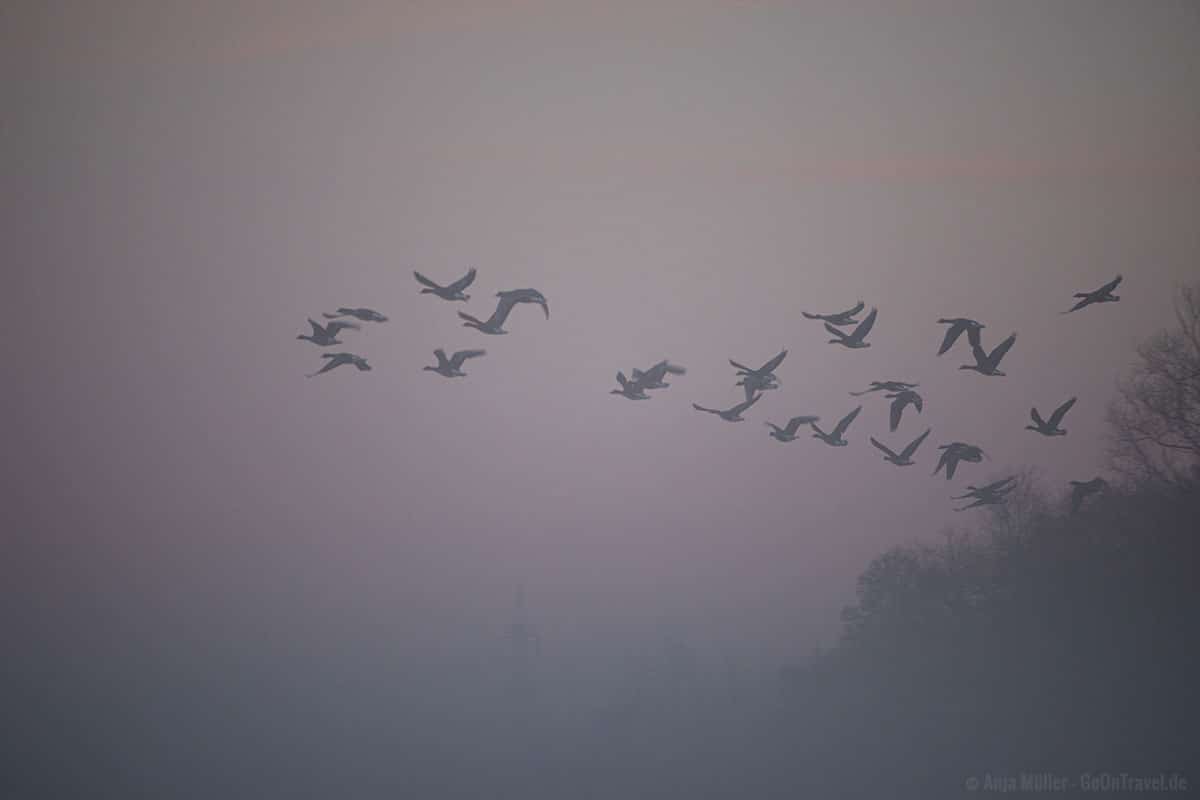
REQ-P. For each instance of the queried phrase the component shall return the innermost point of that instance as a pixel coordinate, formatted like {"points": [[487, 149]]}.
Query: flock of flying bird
{"points": [[755, 382]]}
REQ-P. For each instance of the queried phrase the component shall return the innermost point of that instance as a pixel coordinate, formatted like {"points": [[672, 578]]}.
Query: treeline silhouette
{"points": [[1042, 641]]}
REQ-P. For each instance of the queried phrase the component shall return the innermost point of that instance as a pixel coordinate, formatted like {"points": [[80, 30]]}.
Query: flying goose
{"points": [[634, 390], [904, 458], [989, 495], [753, 384], [1001, 486], [788, 432], [955, 452], [452, 367], [841, 318], [731, 414], [957, 326], [653, 377], [902, 399], [1081, 490], [1050, 427], [365, 314], [985, 362], [767, 370], [526, 296], [494, 324], [886, 386], [327, 335], [336, 360], [856, 339], [1102, 295], [834, 438], [452, 291]]}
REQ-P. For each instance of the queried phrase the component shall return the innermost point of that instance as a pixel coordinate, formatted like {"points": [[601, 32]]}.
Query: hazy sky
{"points": [[187, 182]]}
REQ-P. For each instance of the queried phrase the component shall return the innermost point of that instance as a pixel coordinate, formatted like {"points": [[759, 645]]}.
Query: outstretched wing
{"points": [[503, 308], [702, 408], [1108, 287], [952, 333], [440, 354], [1037, 418], [884, 448], [742, 367], [865, 326], [1001, 349], [425, 280], [835, 332], [338, 325], [914, 444], [771, 365], [459, 357], [897, 411], [462, 282], [740, 407], [317, 329], [1061, 412], [845, 422], [795, 422], [857, 308]]}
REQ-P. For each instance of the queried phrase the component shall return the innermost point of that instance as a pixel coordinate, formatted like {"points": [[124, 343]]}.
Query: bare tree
{"points": [[1155, 419]]}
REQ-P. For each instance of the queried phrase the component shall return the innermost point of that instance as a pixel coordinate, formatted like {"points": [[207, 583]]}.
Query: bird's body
{"points": [[452, 291], [730, 414], [957, 326], [1081, 490], [526, 296], [364, 314], [835, 438], [900, 400], [788, 432], [989, 495], [986, 363], [753, 384], [1102, 295], [955, 452], [904, 457], [856, 339], [840, 318], [326, 335], [632, 390], [886, 386], [1050, 427], [494, 324], [452, 367], [653, 377], [335, 360]]}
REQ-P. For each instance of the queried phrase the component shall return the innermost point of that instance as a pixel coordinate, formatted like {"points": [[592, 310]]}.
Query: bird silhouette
{"points": [[364, 314], [986, 363], [788, 432], [327, 334], [1050, 427], [452, 291], [452, 367], [730, 414], [957, 326], [835, 437], [856, 339], [900, 400], [336, 360], [1102, 295], [904, 457], [841, 318]]}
